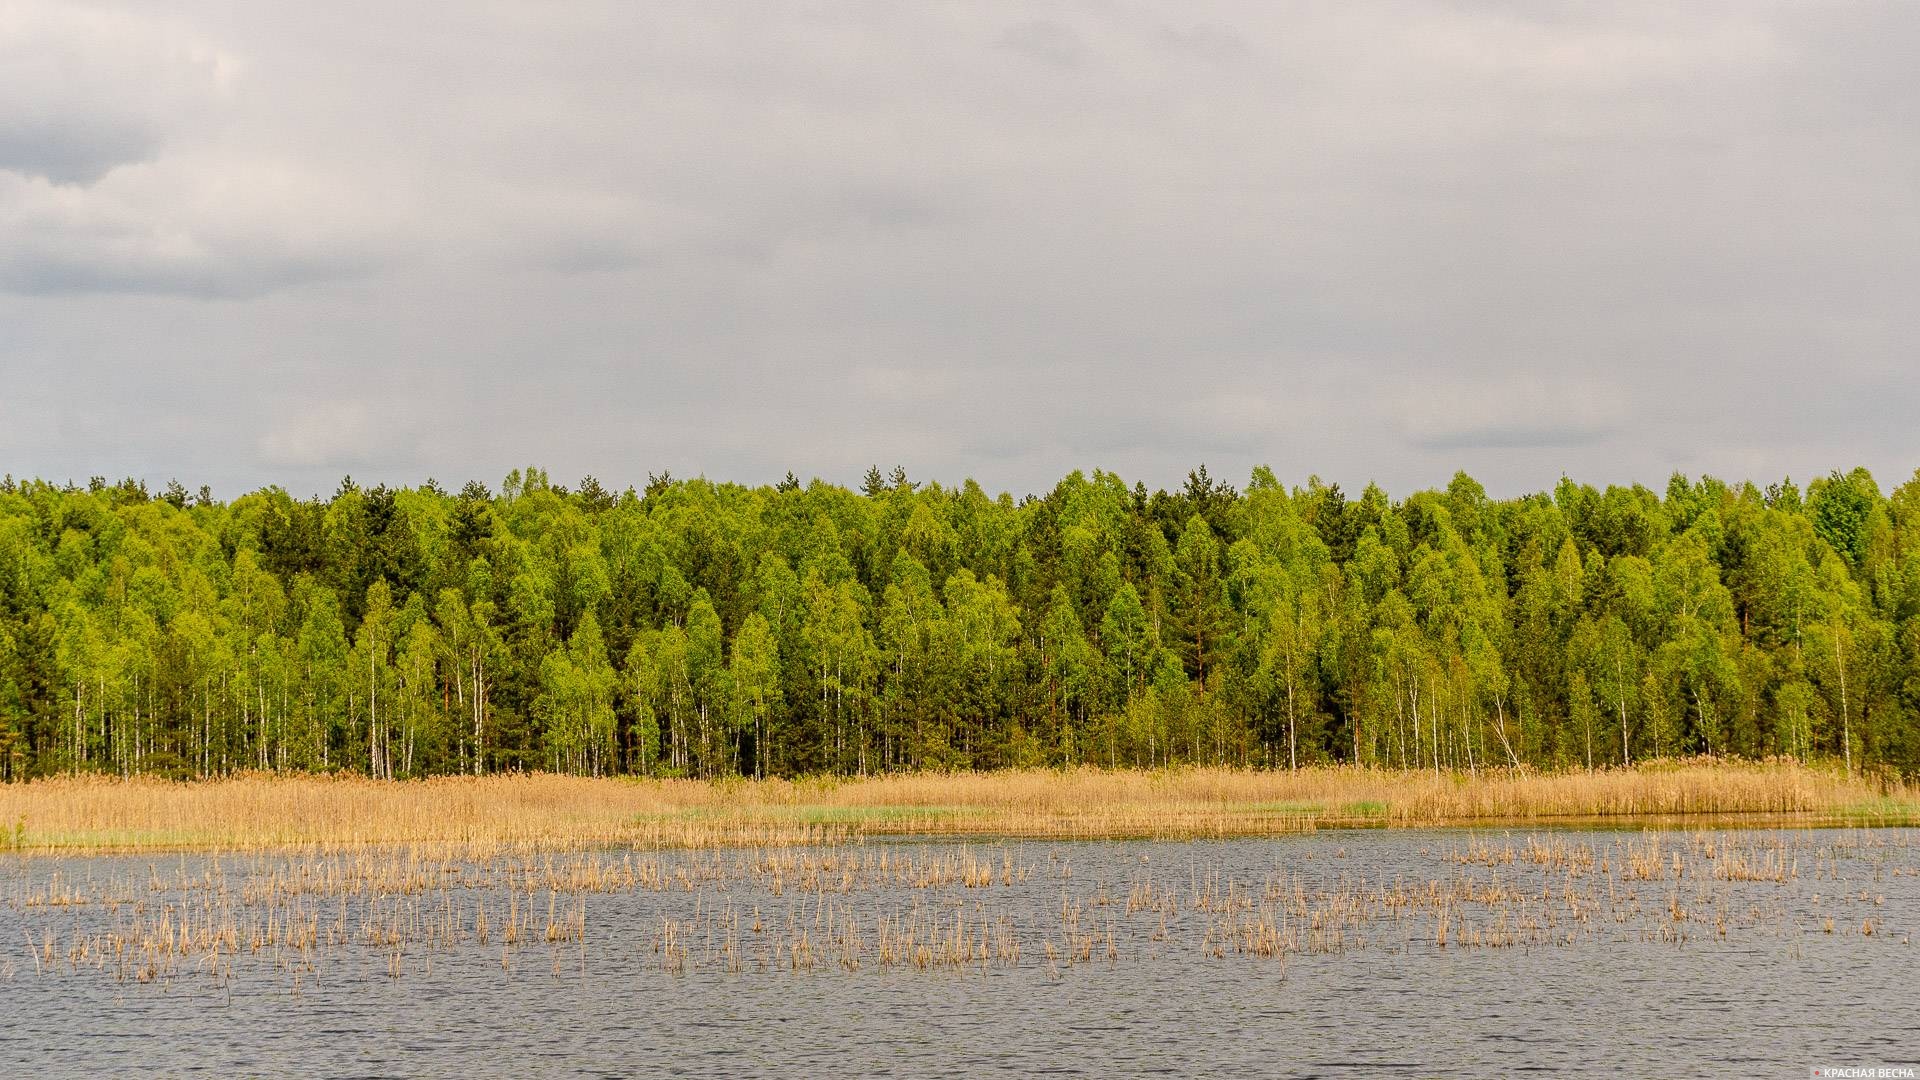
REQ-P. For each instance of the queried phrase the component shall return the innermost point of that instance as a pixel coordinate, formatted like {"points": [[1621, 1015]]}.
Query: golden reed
{"points": [[268, 811]]}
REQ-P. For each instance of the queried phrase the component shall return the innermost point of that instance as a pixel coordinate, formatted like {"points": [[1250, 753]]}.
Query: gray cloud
{"points": [[158, 228], [72, 151], [1044, 40], [1004, 240], [1511, 437], [89, 90]]}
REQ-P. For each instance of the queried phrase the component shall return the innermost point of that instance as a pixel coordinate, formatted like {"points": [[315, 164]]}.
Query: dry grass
{"points": [[924, 906], [262, 811]]}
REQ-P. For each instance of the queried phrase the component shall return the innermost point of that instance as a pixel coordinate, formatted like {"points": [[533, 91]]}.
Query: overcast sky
{"points": [[274, 242]]}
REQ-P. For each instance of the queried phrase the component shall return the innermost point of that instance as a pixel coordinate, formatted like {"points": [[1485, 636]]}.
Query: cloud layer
{"points": [[280, 242]]}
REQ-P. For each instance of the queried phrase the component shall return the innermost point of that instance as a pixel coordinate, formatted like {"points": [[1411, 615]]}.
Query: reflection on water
{"points": [[1429, 953]]}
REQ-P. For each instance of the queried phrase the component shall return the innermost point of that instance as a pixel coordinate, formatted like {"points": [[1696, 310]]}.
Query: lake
{"points": [[1442, 952]]}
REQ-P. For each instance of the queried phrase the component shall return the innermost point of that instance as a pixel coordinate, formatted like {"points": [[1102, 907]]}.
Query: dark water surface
{"points": [[1756, 953]]}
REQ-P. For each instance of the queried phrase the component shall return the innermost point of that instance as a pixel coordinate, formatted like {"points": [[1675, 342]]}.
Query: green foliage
{"points": [[713, 629], [1843, 507]]}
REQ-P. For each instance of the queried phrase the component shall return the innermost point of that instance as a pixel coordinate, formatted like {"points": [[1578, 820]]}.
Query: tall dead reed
{"points": [[266, 811]]}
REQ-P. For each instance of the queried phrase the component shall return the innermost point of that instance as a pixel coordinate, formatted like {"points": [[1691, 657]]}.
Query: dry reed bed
{"points": [[922, 907], [266, 811]]}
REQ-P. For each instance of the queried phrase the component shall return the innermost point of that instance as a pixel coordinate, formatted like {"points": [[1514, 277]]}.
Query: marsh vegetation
{"points": [[1010, 927], [255, 811]]}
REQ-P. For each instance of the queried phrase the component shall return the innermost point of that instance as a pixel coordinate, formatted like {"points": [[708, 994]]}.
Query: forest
{"points": [[708, 629]]}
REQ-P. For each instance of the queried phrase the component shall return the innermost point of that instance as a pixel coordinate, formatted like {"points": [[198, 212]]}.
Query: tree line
{"points": [[707, 629]]}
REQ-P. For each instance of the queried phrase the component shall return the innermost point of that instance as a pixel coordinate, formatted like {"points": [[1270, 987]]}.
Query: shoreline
{"points": [[78, 815]]}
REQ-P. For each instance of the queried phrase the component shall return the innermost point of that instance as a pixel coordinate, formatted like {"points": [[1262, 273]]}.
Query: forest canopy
{"points": [[709, 629]]}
